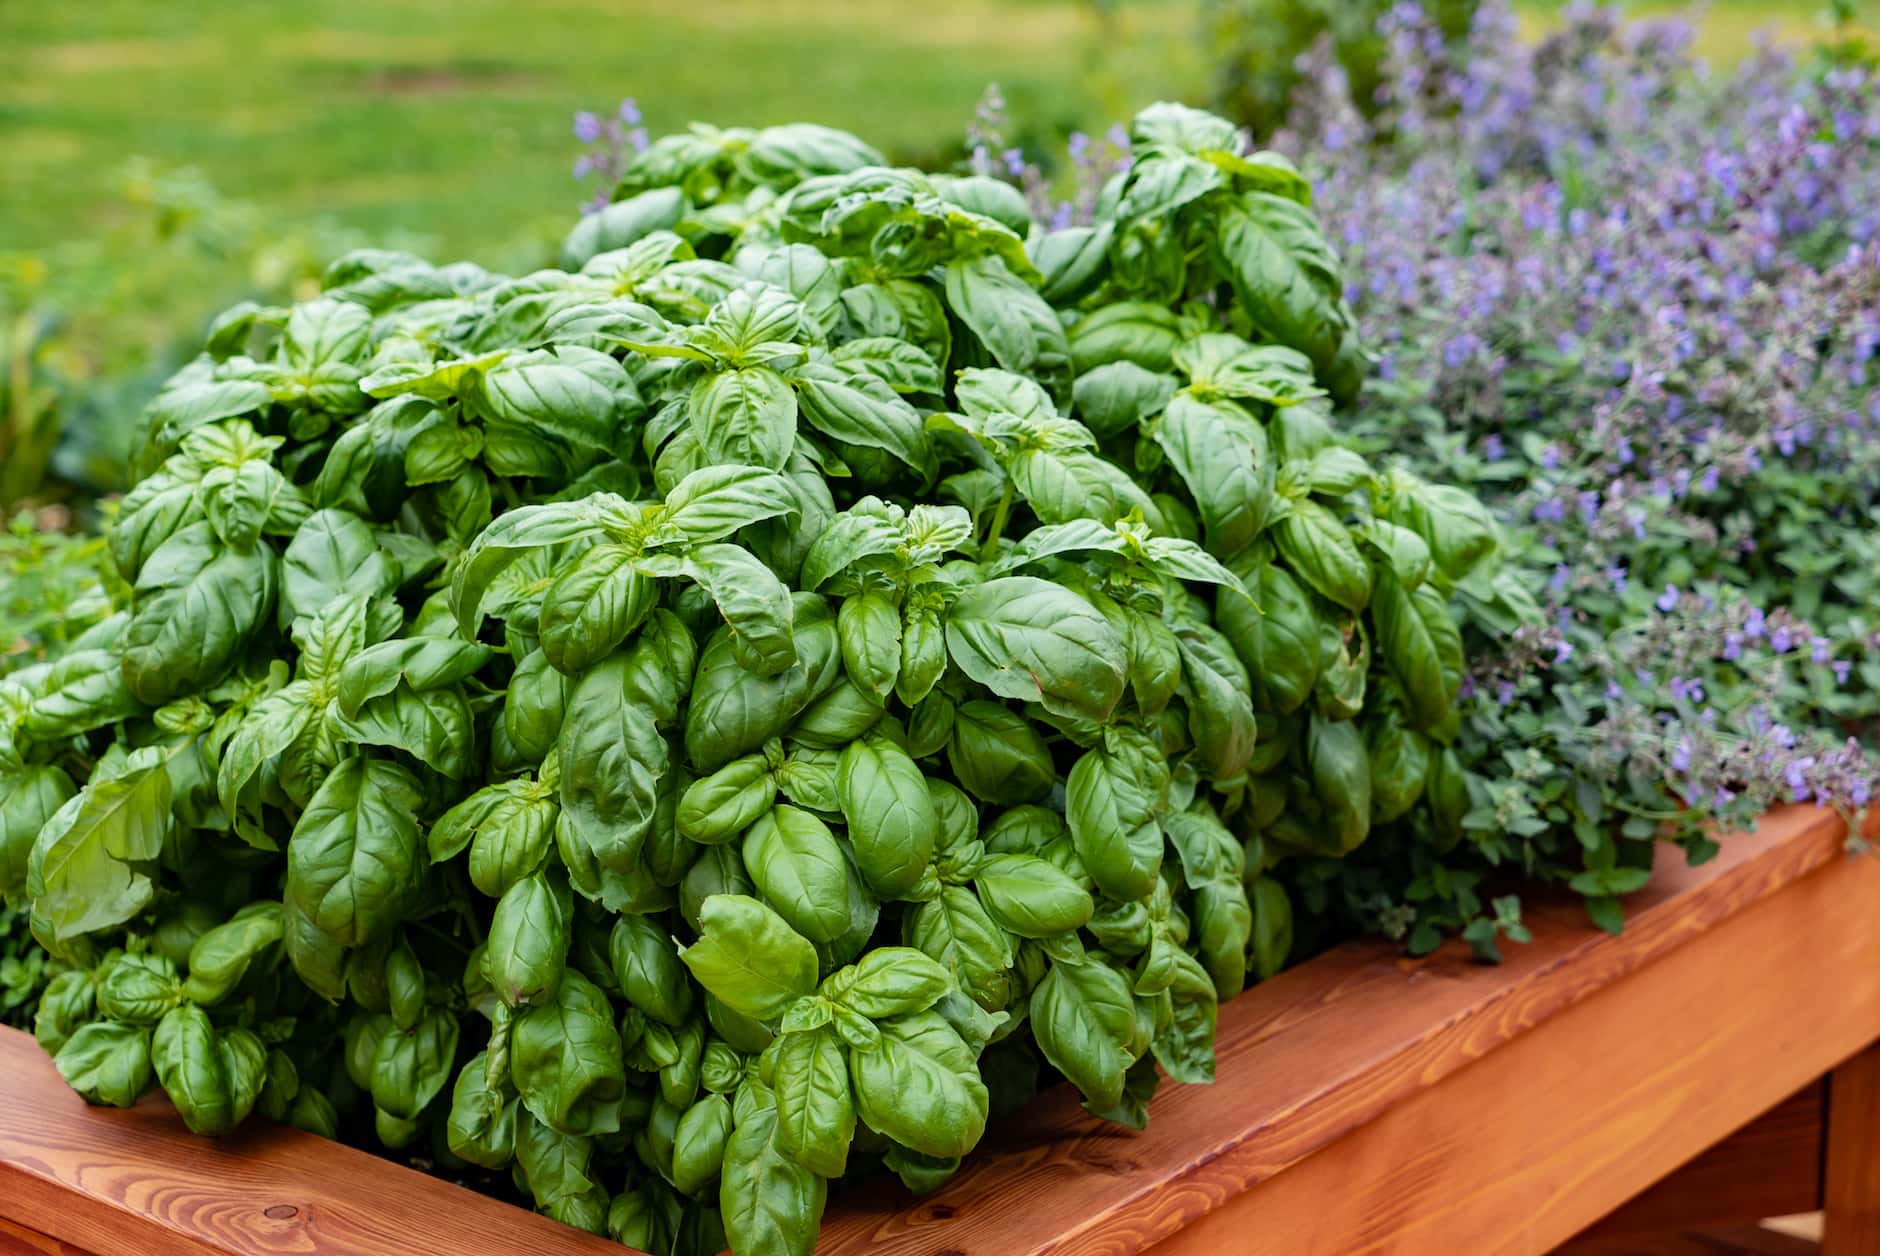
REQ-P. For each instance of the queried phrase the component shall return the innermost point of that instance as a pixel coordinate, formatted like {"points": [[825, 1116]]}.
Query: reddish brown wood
{"points": [[1769, 1168], [1535, 1140], [1346, 1041], [17, 1240], [137, 1183], [1851, 1197], [1748, 1240]]}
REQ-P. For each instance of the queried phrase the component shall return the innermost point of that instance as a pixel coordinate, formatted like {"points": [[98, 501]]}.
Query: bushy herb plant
{"points": [[728, 712], [1636, 306]]}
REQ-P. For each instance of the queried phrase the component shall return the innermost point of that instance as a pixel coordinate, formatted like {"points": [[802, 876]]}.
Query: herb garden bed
{"points": [[1366, 1103]]}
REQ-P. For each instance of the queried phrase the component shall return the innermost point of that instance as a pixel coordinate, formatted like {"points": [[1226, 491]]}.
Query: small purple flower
{"points": [[1753, 624], [1818, 651], [1668, 600], [583, 166], [1550, 458], [630, 112], [1615, 575], [1014, 159], [1504, 693], [1842, 669], [1732, 646], [1681, 755], [1492, 448], [1562, 574], [1781, 640], [1796, 775], [1563, 650], [587, 127]]}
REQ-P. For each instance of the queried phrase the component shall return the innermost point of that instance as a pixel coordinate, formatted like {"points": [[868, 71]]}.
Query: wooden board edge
{"points": [[1320, 1050], [136, 1181]]}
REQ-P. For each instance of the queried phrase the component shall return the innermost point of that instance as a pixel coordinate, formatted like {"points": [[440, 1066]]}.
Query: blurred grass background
{"points": [[164, 161], [449, 120]]}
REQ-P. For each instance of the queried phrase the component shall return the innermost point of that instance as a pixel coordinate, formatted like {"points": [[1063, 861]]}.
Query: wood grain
{"points": [[1851, 1187], [1769, 1168], [17, 1240], [1531, 1143], [137, 1183], [1732, 1241], [1342, 1042]]}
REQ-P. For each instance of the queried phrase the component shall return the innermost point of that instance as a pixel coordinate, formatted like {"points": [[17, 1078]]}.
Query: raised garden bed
{"points": [[1367, 1103]]}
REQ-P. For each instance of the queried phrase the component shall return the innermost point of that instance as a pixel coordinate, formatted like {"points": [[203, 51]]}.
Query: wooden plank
{"points": [[1851, 1187], [17, 1240], [1358, 1036], [137, 1183], [1731, 1241], [1769, 1168], [1531, 1143]]}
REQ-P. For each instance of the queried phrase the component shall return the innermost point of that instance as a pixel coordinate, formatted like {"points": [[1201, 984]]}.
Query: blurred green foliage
{"points": [[1254, 46], [54, 584]]}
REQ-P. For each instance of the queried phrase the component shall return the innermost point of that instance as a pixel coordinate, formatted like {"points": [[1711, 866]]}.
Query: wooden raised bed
{"points": [[1715, 1065]]}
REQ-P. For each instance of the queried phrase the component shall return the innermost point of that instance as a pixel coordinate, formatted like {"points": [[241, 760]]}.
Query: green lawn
{"points": [[449, 119]]}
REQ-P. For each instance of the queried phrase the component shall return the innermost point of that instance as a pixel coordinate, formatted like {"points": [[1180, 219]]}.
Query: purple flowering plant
{"points": [[1637, 306]]}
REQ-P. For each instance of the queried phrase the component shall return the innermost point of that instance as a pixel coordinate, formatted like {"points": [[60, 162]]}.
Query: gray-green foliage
{"points": [[667, 718]]}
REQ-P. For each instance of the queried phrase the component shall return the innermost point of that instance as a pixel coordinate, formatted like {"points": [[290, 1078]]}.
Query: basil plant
{"points": [[747, 706]]}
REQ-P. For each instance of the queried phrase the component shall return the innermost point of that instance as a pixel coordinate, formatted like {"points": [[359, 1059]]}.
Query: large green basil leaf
{"points": [[1008, 316], [770, 1202], [999, 756], [890, 814], [755, 604], [482, 1123], [955, 929], [1031, 896], [857, 408], [593, 606], [410, 1069], [1113, 799], [1320, 550], [1029, 639], [196, 606], [648, 970], [815, 1106], [920, 1085], [797, 865], [572, 394], [612, 760], [90, 864], [1084, 1020], [1221, 453], [744, 416], [212, 1076], [749, 958], [567, 1062], [355, 858], [555, 1166], [107, 1063], [220, 958], [733, 710], [528, 942]]}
